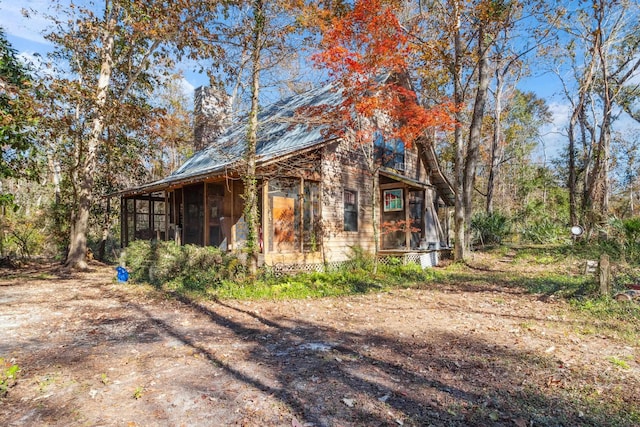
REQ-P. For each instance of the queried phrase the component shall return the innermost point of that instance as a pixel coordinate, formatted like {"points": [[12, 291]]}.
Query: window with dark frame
{"points": [[389, 152], [350, 210]]}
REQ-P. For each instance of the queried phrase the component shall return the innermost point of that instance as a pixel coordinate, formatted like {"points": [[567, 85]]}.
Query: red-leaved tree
{"points": [[365, 51]]}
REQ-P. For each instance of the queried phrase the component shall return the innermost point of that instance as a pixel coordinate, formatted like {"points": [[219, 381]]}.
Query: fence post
{"points": [[604, 275]]}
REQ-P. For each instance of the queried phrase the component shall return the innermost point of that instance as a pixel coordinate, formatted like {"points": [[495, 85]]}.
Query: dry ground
{"points": [[97, 353]]}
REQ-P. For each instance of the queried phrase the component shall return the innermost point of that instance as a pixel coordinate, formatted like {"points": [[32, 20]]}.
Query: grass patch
{"points": [[619, 318], [620, 363], [540, 257], [562, 285], [557, 277], [8, 376], [207, 272], [605, 308], [317, 285]]}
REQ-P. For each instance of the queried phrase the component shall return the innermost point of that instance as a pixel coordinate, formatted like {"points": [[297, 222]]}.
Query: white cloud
{"points": [[187, 87], [26, 19], [560, 114], [554, 135], [36, 62]]}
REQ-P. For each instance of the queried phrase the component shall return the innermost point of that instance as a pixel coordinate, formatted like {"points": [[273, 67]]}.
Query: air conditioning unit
{"points": [[399, 166]]}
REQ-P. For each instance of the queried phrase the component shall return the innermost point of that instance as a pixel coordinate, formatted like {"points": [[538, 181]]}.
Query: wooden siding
{"points": [[338, 167], [344, 168]]}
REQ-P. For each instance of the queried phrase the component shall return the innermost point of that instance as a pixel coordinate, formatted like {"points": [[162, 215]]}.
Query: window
{"points": [[390, 153], [393, 200], [350, 210]]}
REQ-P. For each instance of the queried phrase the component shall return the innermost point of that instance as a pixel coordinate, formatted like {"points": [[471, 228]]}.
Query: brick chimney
{"points": [[212, 113]]}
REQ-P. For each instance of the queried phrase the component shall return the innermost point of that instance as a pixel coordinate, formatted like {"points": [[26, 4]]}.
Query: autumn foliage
{"points": [[366, 51]]}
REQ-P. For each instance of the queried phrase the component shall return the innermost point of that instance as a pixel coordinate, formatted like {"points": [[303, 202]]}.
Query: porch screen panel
{"points": [[159, 219], [171, 217], [130, 207], [311, 216], [194, 214], [416, 217], [284, 218], [143, 228], [215, 202]]}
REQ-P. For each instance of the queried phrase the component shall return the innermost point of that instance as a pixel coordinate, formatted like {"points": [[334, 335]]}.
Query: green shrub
{"points": [[208, 271], [544, 231], [490, 228], [360, 259], [621, 239], [189, 266], [23, 238], [111, 247], [631, 228]]}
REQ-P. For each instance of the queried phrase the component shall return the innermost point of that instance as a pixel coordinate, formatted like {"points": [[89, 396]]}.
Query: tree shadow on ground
{"points": [[392, 375], [339, 374]]}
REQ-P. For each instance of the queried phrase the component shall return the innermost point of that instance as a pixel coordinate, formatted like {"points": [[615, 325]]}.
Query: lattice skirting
{"points": [[425, 260]]}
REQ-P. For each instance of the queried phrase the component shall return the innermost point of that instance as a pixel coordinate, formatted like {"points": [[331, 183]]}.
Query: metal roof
{"points": [[282, 130]]}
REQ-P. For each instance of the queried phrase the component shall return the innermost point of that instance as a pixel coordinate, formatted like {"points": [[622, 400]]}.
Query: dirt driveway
{"points": [[93, 352]]}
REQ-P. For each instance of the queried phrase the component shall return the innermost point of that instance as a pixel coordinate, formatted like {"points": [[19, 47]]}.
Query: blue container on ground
{"points": [[123, 274]]}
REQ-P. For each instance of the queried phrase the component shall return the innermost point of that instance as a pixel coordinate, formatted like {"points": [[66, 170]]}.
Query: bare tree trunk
{"points": [[572, 179], [87, 162], [578, 117], [496, 157], [460, 243], [106, 226], [475, 129], [598, 182], [249, 175]]}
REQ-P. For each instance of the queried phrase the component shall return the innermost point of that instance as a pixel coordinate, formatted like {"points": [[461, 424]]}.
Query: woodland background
{"points": [[105, 109]]}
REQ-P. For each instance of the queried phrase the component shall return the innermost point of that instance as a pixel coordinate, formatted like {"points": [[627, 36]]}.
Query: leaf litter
{"points": [[445, 354]]}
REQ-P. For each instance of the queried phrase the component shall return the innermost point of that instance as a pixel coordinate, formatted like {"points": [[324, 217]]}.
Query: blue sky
{"points": [[25, 34]]}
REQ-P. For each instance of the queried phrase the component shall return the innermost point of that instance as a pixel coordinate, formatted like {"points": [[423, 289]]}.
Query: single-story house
{"points": [[315, 198]]}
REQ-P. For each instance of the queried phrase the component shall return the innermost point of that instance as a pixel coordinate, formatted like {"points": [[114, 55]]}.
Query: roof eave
{"points": [[218, 171]]}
